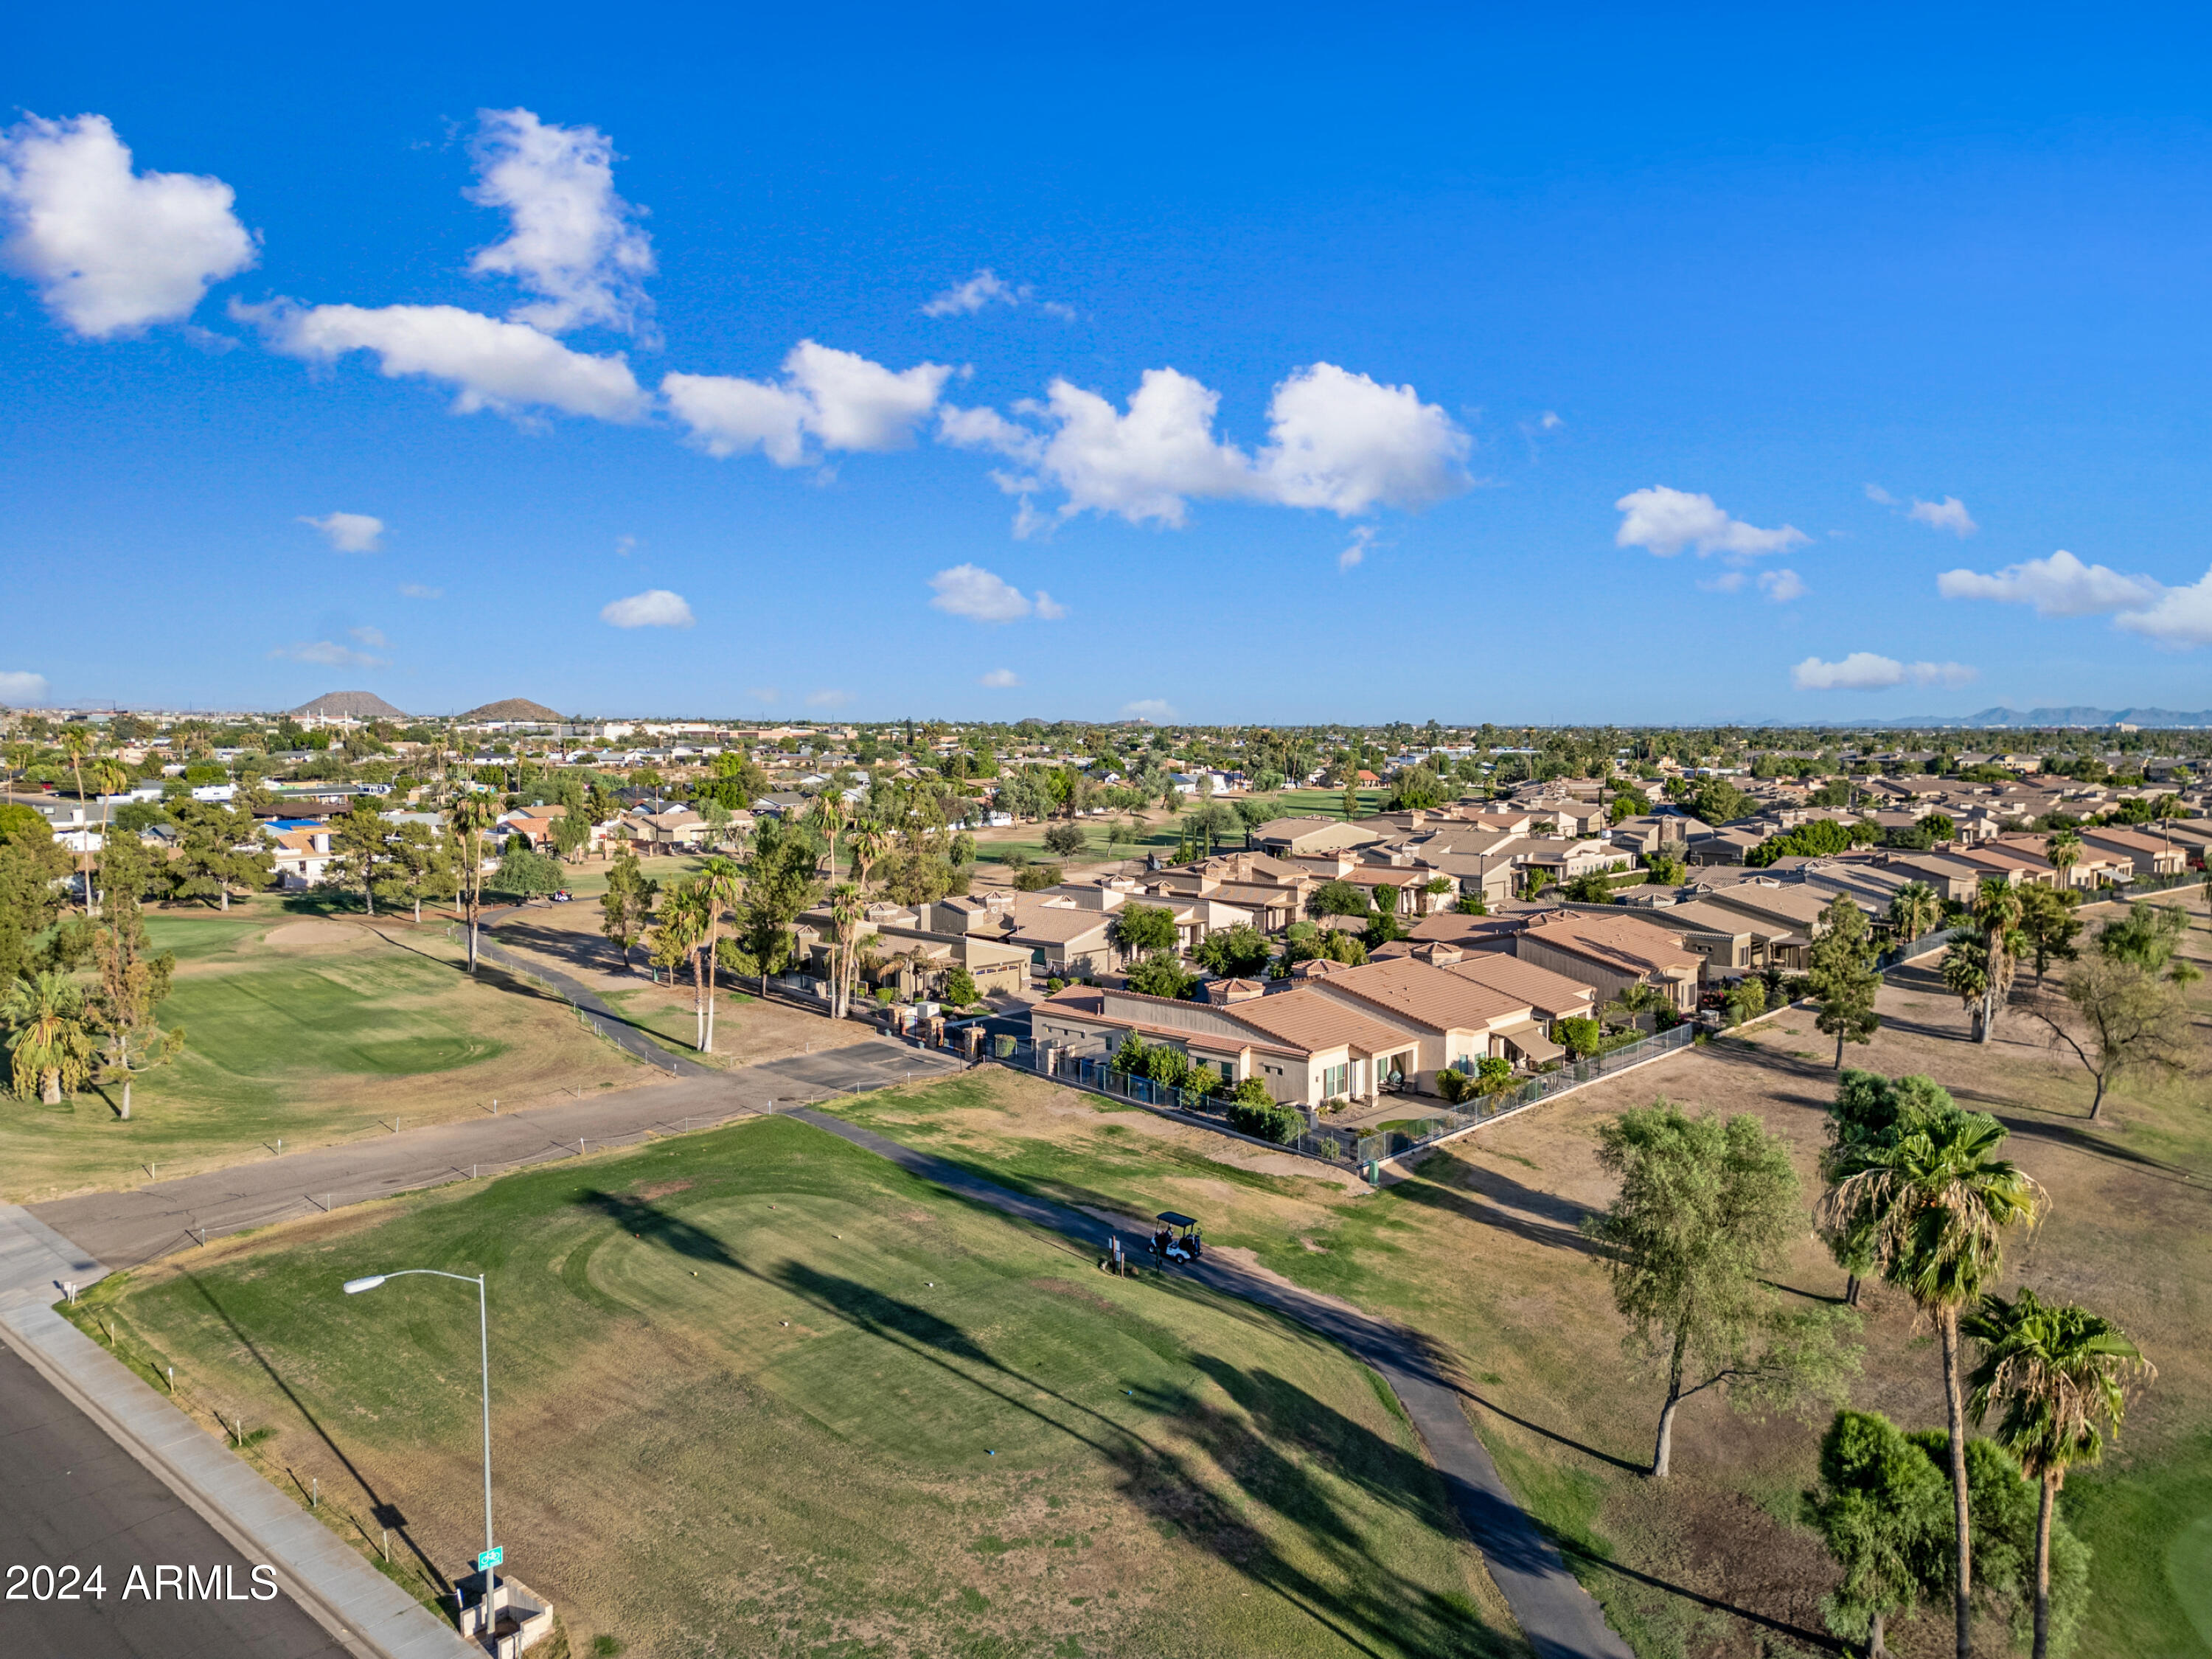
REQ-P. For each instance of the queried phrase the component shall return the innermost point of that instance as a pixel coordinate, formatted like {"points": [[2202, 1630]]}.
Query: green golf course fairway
{"points": [[310, 1029], [758, 1391]]}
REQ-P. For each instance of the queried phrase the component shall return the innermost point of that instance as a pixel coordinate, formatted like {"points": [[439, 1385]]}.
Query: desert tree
{"points": [[1706, 1208], [1843, 976], [2121, 1020]]}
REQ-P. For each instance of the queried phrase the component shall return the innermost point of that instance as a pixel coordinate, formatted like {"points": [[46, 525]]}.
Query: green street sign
{"points": [[491, 1558]]}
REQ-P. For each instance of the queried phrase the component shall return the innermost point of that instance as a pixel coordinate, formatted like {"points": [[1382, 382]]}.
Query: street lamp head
{"points": [[356, 1286]]}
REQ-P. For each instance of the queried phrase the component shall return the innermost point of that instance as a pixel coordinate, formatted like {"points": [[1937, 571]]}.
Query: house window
{"points": [[1335, 1080]]}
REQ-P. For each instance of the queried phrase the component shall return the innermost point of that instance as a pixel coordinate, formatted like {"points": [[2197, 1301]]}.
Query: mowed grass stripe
{"points": [[761, 1388]]}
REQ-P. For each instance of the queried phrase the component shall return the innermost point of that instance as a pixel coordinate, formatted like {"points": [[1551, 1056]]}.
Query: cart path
{"points": [[127, 1229], [1556, 1613]]}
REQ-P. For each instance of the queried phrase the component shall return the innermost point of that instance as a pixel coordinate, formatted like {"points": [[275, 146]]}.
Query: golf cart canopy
{"points": [[1174, 1220]]}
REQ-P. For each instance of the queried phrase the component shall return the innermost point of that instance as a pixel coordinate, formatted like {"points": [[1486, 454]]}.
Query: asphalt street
{"points": [[75, 1497]]}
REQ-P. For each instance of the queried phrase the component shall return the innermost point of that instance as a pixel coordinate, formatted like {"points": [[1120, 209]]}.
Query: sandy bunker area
{"points": [[307, 935]]}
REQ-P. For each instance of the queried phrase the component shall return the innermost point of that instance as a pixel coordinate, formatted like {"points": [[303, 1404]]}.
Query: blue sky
{"points": [[1495, 364]]}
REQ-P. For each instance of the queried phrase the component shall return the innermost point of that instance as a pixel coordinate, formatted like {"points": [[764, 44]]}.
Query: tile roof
{"points": [[1621, 942], [1538, 989], [1414, 990]]}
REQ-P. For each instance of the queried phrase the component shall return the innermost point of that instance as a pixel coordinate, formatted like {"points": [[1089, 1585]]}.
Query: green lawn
{"points": [[756, 1391], [310, 1029]]}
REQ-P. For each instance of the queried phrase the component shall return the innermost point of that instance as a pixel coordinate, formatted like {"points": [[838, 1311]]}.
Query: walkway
{"points": [[614, 1025], [1557, 1615], [354, 1608], [122, 1230]]}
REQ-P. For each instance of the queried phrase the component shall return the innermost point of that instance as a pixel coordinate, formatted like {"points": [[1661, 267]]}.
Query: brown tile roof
{"points": [[1621, 942], [1310, 1018], [1540, 989], [1421, 994]]}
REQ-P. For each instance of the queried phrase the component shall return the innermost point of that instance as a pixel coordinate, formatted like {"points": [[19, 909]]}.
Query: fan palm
{"points": [[1997, 913], [1932, 1207], [109, 777], [870, 842], [2061, 1373], [721, 880], [52, 1046], [2064, 852], [469, 817], [847, 909], [1914, 909], [828, 816], [681, 927], [77, 741]]}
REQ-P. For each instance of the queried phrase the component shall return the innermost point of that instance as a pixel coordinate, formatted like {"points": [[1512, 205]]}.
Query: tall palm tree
{"points": [[469, 817], [1933, 1206], [681, 922], [829, 815], [109, 777], [870, 843], [1914, 909], [847, 909], [721, 880], [1996, 912], [77, 740], [2061, 1373], [2064, 852], [52, 1046]]}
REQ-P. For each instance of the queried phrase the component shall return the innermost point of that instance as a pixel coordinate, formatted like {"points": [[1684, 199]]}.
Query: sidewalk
{"points": [[369, 1613]]}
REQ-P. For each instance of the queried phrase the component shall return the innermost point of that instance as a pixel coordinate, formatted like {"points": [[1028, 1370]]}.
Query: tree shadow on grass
{"points": [[1377, 1611], [1528, 1213], [385, 1512]]}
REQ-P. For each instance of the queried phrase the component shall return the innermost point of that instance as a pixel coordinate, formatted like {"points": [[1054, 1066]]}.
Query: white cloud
{"points": [[1147, 708], [839, 398], [349, 532], [1000, 679], [624, 546], [1781, 586], [987, 287], [1950, 513], [1550, 421], [1728, 581], [2180, 618], [966, 298], [654, 608], [1874, 492], [1337, 440], [1668, 520], [828, 699], [416, 591], [19, 687], [111, 251], [1342, 441], [328, 655], [762, 693], [506, 366], [1862, 670], [970, 591], [573, 243], [368, 637], [1362, 536], [2060, 586]]}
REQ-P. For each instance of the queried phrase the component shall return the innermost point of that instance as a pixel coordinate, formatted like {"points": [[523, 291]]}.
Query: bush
{"points": [[1492, 1073], [1579, 1037], [1160, 975], [1055, 984], [1037, 877], [1457, 1087], [1471, 904], [1273, 1122], [1747, 1001], [960, 988]]}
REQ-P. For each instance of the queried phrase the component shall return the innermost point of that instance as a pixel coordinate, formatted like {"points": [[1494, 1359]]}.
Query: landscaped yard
{"points": [[312, 1029], [756, 1391], [1480, 1250]]}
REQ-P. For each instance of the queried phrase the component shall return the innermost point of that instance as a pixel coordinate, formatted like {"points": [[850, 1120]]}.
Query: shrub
{"points": [[1160, 975], [1456, 1086], [1747, 1001], [1273, 1122], [1471, 904], [960, 988], [1055, 984], [1036, 878], [1492, 1073], [1579, 1037]]}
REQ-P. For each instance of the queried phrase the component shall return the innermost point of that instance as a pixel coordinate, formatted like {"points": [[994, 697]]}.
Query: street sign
{"points": [[491, 1557]]}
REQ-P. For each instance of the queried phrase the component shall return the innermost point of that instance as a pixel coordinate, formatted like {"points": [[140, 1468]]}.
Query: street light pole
{"points": [[356, 1286]]}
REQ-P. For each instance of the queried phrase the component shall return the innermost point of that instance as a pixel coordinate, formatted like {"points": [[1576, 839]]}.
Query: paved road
{"points": [[122, 1230], [1557, 1615], [75, 1496]]}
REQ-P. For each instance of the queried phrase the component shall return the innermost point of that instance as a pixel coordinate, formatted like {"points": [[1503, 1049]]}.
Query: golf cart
{"points": [[1178, 1240]]}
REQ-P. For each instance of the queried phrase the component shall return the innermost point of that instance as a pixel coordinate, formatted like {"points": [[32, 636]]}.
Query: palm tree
{"points": [[53, 1047], [847, 909], [109, 777], [1914, 909], [2061, 1373], [870, 843], [828, 815], [682, 925], [78, 741], [1933, 1206], [2064, 852], [720, 882], [1996, 912], [469, 817]]}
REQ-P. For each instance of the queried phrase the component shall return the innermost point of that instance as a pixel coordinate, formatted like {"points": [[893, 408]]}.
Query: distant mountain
{"points": [[1997, 718], [349, 706], [513, 709]]}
